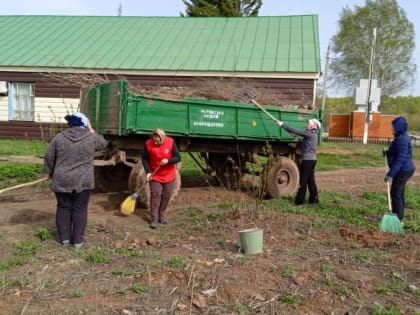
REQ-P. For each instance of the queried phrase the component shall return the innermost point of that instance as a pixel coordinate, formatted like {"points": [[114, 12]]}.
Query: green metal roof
{"points": [[244, 44]]}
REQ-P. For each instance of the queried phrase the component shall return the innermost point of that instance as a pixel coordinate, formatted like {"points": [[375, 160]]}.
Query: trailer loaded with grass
{"points": [[223, 138]]}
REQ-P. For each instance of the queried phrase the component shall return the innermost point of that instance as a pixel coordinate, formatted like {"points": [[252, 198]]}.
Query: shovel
{"points": [[265, 111], [248, 95]]}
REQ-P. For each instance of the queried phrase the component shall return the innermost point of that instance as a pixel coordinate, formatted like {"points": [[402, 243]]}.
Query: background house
{"points": [[45, 60]]}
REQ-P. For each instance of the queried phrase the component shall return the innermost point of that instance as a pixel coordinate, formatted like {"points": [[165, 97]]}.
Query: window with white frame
{"points": [[21, 101]]}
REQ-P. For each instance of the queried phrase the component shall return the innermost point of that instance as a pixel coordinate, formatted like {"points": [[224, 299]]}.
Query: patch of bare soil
{"points": [[194, 265]]}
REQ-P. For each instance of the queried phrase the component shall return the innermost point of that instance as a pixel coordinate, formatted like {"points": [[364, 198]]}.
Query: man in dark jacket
{"points": [[400, 162], [69, 163]]}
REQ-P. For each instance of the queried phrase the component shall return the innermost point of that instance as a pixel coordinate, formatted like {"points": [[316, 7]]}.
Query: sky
{"points": [[328, 12]]}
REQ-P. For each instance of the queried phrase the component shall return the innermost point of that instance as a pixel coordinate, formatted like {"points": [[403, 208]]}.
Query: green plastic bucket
{"points": [[251, 240]]}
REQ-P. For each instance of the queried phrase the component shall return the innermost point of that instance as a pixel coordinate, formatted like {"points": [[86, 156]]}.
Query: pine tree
{"points": [[232, 8]]}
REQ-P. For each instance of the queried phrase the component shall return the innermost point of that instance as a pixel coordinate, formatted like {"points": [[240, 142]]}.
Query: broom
{"points": [[128, 206], [390, 222]]}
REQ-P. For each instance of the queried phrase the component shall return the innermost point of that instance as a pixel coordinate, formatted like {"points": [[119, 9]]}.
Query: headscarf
{"points": [[160, 133], [77, 120], [315, 124]]}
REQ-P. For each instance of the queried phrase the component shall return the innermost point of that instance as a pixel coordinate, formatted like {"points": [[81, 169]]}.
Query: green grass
{"points": [[23, 251], [22, 147], [20, 172], [76, 293], [336, 209], [17, 173], [43, 234], [351, 155]]}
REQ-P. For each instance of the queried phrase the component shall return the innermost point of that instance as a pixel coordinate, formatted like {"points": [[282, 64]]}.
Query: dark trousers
{"points": [[398, 191], [307, 181], [71, 216], [160, 195]]}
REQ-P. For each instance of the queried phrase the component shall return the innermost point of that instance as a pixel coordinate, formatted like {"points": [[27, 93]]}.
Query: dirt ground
{"points": [[194, 264]]}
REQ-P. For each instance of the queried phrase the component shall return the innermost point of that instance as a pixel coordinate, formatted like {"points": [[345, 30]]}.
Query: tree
{"points": [[394, 68], [203, 8]]}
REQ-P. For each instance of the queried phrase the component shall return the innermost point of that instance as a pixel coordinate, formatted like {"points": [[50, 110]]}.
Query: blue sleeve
{"points": [[397, 155]]}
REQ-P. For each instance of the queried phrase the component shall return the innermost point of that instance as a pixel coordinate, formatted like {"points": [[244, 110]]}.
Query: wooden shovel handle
{"points": [[24, 185], [265, 111]]}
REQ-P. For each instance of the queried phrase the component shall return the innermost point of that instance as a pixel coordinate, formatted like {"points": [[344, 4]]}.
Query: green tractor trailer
{"points": [[222, 137]]}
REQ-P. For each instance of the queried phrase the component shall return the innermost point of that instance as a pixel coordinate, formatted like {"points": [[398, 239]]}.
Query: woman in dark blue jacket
{"points": [[400, 163]]}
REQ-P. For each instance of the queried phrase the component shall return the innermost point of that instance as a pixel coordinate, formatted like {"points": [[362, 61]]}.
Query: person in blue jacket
{"points": [[401, 166]]}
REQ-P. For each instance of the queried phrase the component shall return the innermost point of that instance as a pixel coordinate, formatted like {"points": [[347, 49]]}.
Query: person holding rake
{"points": [[399, 157], [308, 162]]}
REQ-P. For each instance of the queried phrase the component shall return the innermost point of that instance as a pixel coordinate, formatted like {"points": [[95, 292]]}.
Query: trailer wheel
{"points": [[281, 177], [228, 169], [137, 183], [112, 178], [177, 182]]}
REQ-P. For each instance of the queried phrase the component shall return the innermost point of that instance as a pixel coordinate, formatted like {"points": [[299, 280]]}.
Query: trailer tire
{"points": [[137, 183], [111, 178], [228, 169], [178, 182], [281, 177]]}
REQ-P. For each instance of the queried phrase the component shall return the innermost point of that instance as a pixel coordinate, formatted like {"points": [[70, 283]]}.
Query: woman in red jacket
{"points": [[159, 161]]}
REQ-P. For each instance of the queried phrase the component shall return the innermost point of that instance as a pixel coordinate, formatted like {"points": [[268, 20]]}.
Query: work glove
{"points": [[384, 152], [279, 123], [387, 179]]}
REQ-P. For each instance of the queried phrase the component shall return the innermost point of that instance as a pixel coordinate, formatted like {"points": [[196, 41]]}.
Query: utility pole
{"points": [[324, 86], [369, 101]]}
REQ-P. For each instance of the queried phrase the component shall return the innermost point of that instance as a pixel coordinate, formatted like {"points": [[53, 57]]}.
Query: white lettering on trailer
{"points": [[212, 114], [208, 124]]}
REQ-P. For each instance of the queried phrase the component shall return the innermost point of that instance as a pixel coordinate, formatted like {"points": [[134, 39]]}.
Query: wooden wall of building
{"points": [[27, 130], [67, 85], [63, 89]]}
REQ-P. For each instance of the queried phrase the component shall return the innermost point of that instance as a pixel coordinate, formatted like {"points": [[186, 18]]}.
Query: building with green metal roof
{"points": [[279, 53]]}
